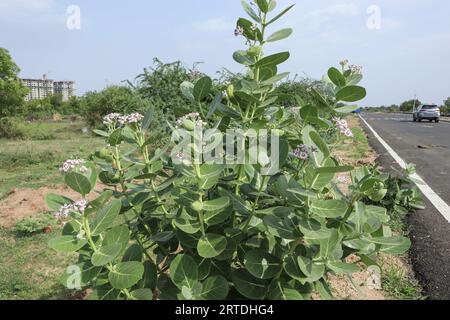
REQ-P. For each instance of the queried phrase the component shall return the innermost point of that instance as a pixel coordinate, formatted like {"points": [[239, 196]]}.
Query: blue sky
{"points": [[117, 39]]}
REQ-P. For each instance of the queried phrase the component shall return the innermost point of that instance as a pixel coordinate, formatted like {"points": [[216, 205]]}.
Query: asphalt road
{"points": [[427, 145]]}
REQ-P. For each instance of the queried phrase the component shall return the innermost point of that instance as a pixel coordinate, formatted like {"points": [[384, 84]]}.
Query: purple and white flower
{"points": [[193, 116], [239, 31], [111, 118], [343, 127], [72, 164], [77, 207]]}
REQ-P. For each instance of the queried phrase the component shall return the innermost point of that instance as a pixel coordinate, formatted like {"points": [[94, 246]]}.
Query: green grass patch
{"points": [[399, 286], [29, 269], [34, 163]]}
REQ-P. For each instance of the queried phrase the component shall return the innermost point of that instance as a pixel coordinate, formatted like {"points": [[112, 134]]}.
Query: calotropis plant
{"points": [[167, 229]]}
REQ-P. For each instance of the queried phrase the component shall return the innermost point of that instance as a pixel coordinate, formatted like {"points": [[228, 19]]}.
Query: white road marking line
{"points": [[434, 198]]}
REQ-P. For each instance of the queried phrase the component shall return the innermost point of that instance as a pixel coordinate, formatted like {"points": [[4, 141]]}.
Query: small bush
{"points": [[9, 160], [42, 222], [16, 128], [10, 128]]}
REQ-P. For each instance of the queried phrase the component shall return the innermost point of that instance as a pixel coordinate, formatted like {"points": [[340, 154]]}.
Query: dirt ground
{"points": [[23, 203]]}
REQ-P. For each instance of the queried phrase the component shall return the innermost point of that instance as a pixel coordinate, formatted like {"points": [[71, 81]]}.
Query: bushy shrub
{"points": [[273, 227], [17, 128], [10, 128], [119, 99], [42, 222]]}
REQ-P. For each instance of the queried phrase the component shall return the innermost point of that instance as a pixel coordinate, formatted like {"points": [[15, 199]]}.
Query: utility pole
{"points": [[414, 106]]}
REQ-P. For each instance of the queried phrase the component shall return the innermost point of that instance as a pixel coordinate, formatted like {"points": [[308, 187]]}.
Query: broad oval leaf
{"points": [[78, 182], [126, 274], [215, 288], [336, 77], [249, 286], [105, 217], [351, 94], [273, 60], [262, 264], [55, 201], [280, 35], [106, 254], [202, 88], [183, 271], [329, 208], [67, 243], [211, 245]]}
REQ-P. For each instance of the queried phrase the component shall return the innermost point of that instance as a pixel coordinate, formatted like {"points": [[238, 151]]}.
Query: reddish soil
{"points": [[25, 203]]}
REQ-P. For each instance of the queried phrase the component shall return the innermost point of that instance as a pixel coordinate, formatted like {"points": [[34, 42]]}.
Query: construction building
{"points": [[42, 88]]}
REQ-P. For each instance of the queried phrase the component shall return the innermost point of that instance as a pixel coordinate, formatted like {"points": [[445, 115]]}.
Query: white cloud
{"points": [[314, 19]]}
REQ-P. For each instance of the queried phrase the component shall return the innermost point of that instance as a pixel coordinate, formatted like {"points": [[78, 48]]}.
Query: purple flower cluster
{"points": [[355, 69], [111, 118], [301, 152], [239, 31], [72, 164], [65, 210], [193, 116], [114, 118], [343, 127]]}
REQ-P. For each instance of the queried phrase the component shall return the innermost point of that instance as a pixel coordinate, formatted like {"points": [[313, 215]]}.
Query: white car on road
{"points": [[428, 112]]}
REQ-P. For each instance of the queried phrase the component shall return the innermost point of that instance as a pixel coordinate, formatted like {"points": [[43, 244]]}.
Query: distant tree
{"points": [[120, 99], [12, 92], [446, 107], [408, 106]]}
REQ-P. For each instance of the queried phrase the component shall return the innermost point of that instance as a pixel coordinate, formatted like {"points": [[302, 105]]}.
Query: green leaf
{"points": [[106, 254], [101, 133], [280, 35], [84, 272], [249, 286], [78, 183], [126, 274], [187, 90], [337, 77], [243, 58], [401, 248], [133, 253], [312, 270], [327, 246], [329, 208], [215, 288], [342, 267], [105, 217], [351, 94], [67, 243], [211, 245], [216, 204], [261, 264], [148, 118], [55, 202], [282, 290], [309, 111], [213, 218], [272, 60], [263, 5], [142, 294], [115, 138], [347, 109], [280, 15], [250, 11], [184, 271], [323, 289], [279, 227], [202, 88], [119, 234]]}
